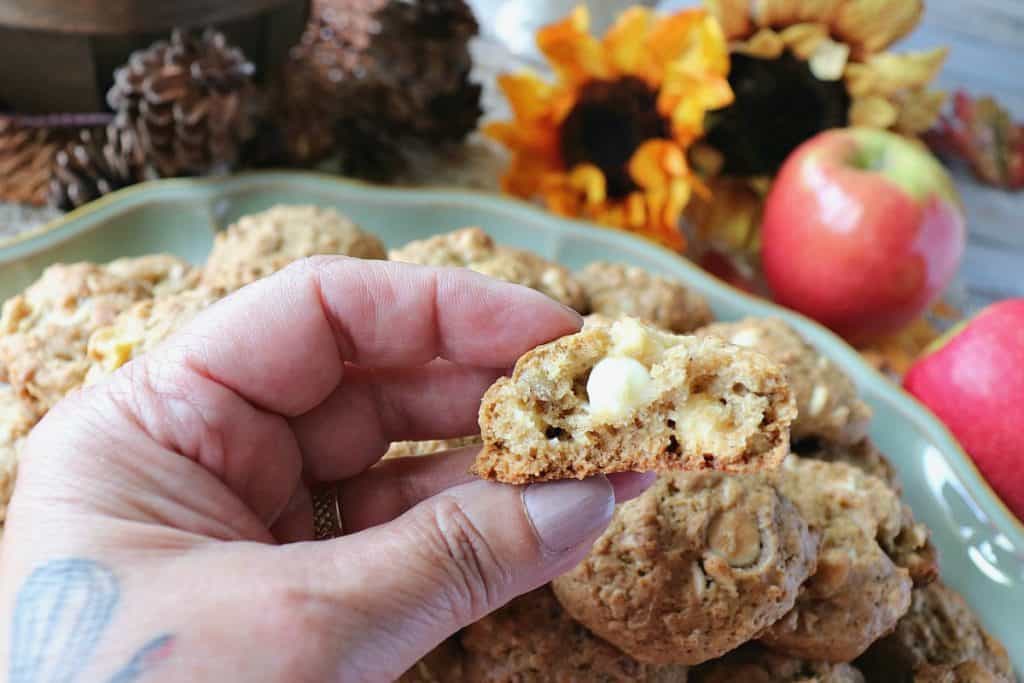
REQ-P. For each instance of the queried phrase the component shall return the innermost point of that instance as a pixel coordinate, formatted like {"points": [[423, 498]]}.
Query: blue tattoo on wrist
{"points": [[60, 615]]}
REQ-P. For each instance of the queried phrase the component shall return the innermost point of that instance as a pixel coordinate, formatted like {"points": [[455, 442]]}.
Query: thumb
{"points": [[453, 559]]}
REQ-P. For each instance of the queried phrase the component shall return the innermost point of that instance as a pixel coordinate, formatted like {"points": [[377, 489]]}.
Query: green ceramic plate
{"points": [[982, 544]]}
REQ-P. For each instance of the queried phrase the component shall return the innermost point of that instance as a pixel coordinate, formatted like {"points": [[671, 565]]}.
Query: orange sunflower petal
{"points": [[785, 12], [732, 15], [528, 95], [870, 26], [624, 43], [575, 55]]}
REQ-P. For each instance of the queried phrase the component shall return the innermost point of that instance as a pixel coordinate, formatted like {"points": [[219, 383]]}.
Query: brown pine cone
{"points": [[93, 163], [26, 159], [379, 72], [189, 101]]}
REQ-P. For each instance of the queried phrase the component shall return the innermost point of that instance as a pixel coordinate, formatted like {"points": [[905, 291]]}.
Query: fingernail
{"points": [[566, 513]]}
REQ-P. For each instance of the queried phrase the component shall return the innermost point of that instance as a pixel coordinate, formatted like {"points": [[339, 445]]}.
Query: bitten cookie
{"points": [[474, 249], [754, 664], [627, 396], [858, 592], [940, 630], [44, 330], [615, 290], [140, 328], [404, 449], [263, 243], [532, 640], [698, 564], [828, 407]]}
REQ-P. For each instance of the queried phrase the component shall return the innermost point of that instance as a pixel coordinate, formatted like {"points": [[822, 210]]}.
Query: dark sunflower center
{"points": [[607, 124], [779, 104]]}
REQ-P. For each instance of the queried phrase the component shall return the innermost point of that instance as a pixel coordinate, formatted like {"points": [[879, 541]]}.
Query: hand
{"points": [[162, 523]]}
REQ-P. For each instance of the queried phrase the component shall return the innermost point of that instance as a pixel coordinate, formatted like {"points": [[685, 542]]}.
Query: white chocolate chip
{"points": [[747, 338], [616, 387], [628, 339], [818, 399]]}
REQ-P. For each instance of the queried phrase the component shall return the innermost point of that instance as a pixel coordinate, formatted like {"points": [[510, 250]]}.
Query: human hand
{"points": [[162, 524]]}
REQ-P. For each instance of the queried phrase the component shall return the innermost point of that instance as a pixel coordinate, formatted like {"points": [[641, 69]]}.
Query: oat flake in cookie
{"points": [[828, 407], [625, 396], [263, 243], [697, 565], [532, 640], [474, 249]]}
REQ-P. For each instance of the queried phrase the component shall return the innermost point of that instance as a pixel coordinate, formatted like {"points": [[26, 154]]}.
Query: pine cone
{"points": [[189, 102], [26, 160], [398, 68], [96, 161]]}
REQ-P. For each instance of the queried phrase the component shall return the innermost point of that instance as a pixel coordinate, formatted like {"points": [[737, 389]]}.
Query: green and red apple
{"points": [[862, 230], [973, 380]]}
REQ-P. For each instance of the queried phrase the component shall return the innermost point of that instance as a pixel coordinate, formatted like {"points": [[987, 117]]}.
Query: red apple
{"points": [[973, 380], [862, 230]]}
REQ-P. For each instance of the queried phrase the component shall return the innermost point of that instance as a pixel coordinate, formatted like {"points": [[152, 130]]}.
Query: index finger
{"points": [[281, 343]]}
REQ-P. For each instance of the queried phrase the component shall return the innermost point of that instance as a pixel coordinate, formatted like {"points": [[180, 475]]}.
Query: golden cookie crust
{"points": [[405, 449], [263, 243], [754, 664], [828, 407], [141, 327], [474, 249], [615, 290], [939, 630], [44, 330], [711, 406], [697, 565], [532, 640], [858, 592]]}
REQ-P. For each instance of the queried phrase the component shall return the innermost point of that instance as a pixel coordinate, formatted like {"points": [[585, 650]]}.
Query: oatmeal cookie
{"points": [[939, 630], [44, 330], [615, 290], [532, 640], [828, 407], [858, 592], [627, 396], [474, 249], [698, 564], [263, 243], [404, 449], [140, 328], [754, 664], [443, 664], [863, 455]]}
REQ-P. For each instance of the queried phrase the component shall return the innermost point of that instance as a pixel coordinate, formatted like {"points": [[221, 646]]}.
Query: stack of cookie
{"points": [[773, 547]]}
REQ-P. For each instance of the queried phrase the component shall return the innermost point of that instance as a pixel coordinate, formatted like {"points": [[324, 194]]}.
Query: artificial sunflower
{"points": [[800, 67], [608, 140]]}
